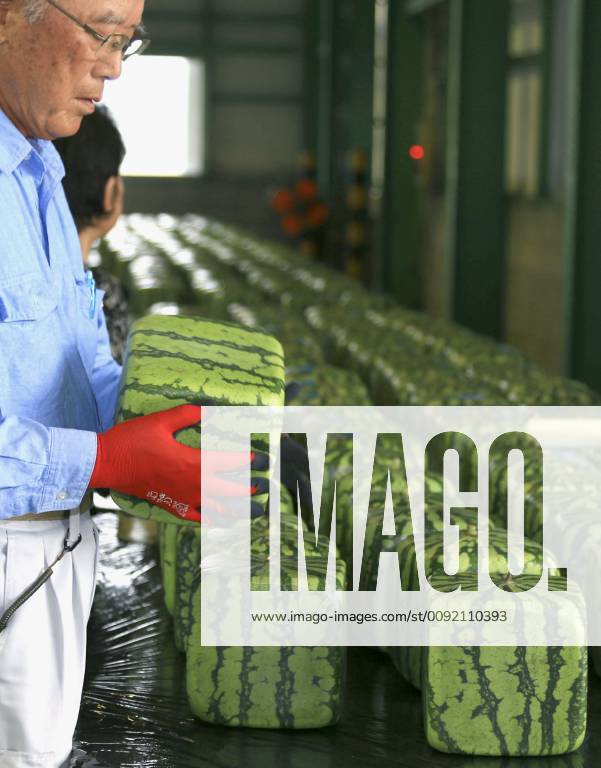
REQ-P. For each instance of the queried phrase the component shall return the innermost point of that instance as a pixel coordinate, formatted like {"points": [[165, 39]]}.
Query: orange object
{"points": [[283, 200], [317, 215], [306, 189], [292, 224]]}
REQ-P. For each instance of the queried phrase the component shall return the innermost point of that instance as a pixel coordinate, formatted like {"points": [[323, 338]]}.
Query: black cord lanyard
{"points": [[42, 579]]}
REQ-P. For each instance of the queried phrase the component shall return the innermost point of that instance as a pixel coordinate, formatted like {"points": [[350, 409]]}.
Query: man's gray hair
{"points": [[33, 10]]}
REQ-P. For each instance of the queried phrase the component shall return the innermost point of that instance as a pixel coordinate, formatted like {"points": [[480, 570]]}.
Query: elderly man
{"points": [[58, 382]]}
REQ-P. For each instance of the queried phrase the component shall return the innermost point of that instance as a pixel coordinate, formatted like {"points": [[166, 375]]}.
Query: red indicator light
{"points": [[417, 152]]}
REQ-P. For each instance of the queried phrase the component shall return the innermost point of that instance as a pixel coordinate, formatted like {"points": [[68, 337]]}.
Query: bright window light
{"points": [[158, 104]]}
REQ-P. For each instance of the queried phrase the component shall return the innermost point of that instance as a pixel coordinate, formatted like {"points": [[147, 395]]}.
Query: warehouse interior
{"points": [[370, 171], [500, 102]]}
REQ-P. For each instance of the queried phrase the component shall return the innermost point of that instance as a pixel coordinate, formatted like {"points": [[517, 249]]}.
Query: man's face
{"points": [[50, 73]]}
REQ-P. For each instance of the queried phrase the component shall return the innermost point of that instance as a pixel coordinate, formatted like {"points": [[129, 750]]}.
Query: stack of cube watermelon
{"points": [[342, 346], [170, 361]]}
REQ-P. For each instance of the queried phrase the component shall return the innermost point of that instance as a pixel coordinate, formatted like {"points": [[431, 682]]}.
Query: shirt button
{"points": [[61, 495]]}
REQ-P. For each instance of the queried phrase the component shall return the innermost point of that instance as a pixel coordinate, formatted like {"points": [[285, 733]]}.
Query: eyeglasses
{"points": [[110, 44]]}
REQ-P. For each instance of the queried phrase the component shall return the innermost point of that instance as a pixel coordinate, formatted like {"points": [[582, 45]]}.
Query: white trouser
{"points": [[43, 648]]}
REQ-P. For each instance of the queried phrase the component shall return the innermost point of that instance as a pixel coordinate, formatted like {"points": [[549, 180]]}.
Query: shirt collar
{"points": [[55, 170], [15, 148]]}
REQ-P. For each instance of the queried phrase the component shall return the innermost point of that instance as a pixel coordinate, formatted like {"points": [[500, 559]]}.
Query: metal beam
{"points": [[361, 56], [476, 162], [572, 152], [584, 221], [400, 227], [545, 107], [325, 90], [311, 77], [209, 123]]}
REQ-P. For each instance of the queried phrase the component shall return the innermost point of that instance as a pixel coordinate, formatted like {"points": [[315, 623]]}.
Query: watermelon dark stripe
{"points": [[191, 395], [168, 559], [489, 702], [218, 363], [151, 353], [244, 678], [248, 365], [215, 331], [284, 688], [549, 704], [187, 561], [156, 340]]}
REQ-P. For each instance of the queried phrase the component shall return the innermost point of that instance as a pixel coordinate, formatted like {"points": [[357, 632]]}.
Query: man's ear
{"points": [[111, 192], [112, 204]]}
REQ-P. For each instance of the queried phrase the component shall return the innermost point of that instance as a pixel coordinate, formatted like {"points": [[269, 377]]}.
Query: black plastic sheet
{"points": [[135, 714]]}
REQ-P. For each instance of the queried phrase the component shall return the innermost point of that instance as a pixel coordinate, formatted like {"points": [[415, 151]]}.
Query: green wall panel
{"points": [[584, 244], [400, 227], [475, 173]]}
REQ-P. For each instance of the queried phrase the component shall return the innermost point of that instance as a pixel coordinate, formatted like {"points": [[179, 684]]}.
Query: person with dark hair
{"points": [[95, 192]]}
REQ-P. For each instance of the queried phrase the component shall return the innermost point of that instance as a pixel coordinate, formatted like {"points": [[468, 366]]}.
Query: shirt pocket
{"points": [[32, 362], [26, 299], [40, 368]]}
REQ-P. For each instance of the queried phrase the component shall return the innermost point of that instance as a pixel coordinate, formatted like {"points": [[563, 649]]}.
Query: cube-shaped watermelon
{"points": [[174, 360], [506, 700]]}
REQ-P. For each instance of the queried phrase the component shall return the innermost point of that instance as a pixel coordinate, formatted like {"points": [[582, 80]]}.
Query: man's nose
{"points": [[108, 65]]}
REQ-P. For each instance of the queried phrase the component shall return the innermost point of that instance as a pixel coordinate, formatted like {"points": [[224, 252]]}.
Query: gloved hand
{"points": [[294, 471], [140, 457]]}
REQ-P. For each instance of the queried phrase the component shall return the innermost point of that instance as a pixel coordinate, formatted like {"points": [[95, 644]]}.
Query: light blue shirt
{"points": [[58, 381]]}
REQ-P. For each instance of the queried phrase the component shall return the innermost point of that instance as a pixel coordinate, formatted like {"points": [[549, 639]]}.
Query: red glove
{"points": [[140, 457]]}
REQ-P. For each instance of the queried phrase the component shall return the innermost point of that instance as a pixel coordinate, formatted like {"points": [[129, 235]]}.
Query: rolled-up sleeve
{"points": [[42, 468]]}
